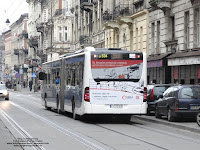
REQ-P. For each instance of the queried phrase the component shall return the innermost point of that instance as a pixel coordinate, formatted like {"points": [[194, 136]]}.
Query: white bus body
{"points": [[97, 81]]}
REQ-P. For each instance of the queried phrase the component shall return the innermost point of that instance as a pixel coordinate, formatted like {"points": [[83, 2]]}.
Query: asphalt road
{"points": [[38, 128]]}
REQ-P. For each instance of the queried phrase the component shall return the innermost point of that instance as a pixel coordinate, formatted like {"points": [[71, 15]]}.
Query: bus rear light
{"points": [[145, 94], [87, 94]]}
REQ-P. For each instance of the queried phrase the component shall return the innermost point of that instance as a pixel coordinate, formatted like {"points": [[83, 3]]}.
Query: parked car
{"points": [[4, 92], [198, 118], [179, 101], [154, 92]]}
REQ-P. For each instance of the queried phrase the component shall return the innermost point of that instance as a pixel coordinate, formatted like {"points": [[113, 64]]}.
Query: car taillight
{"points": [[176, 104], [87, 94], [145, 94], [151, 95]]}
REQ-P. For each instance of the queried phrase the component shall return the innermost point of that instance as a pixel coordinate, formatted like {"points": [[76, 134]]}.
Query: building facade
{"points": [[87, 23], [7, 41], [174, 42], [2, 59], [19, 48], [126, 24]]}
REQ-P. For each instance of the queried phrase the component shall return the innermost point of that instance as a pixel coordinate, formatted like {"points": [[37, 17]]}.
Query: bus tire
{"points": [[74, 115]]}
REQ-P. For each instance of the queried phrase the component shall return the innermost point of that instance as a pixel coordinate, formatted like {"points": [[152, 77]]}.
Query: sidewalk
{"points": [[184, 125], [27, 91]]}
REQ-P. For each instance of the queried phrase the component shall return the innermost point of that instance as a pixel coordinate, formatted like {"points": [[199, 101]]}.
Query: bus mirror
{"points": [[42, 76]]}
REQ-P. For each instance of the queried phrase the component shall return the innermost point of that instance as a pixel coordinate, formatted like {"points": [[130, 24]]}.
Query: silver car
{"points": [[4, 92]]}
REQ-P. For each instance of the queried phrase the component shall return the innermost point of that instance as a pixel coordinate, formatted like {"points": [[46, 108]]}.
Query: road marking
{"points": [[61, 129], [21, 131]]}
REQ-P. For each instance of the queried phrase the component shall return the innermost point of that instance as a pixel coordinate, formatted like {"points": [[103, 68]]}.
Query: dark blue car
{"points": [[178, 102]]}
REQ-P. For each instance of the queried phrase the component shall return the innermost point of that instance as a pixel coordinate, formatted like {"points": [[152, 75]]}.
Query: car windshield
{"points": [[2, 87], [160, 90], [190, 92]]}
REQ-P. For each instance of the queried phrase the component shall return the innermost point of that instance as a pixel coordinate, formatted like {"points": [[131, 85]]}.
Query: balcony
{"points": [[33, 41], [25, 51], [16, 68], [86, 5], [108, 16], [84, 40], [60, 12], [164, 5], [25, 34], [123, 10], [16, 51], [40, 27]]}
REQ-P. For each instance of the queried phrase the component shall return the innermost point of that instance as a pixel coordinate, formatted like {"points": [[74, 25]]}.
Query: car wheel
{"points": [[170, 117], [7, 98], [74, 115], [157, 115], [198, 118]]}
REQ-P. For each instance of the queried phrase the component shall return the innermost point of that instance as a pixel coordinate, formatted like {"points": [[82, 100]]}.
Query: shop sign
{"points": [[156, 63], [184, 61]]}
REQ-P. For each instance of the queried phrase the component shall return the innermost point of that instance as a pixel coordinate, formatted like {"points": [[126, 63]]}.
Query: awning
{"points": [[157, 57]]}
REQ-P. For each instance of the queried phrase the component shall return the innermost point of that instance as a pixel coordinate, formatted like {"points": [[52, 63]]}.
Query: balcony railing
{"points": [[108, 15], [123, 10], [82, 1], [25, 34], [83, 39], [16, 51], [40, 27], [33, 41], [60, 12]]}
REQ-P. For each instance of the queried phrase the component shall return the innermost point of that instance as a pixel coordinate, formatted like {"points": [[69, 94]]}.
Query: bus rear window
{"points": [[116, 66]]}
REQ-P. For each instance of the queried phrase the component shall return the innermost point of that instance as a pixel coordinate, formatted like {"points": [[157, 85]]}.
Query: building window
{"points": [[136, 39], [65, 33], [187, 29], [152, 36], [59, 34], [197, 27], [158, 37], [173, 27], [141, 39]]}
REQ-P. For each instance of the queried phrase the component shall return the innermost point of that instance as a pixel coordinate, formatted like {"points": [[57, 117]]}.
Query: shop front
{"points": [[185, 67], [157, 70]]}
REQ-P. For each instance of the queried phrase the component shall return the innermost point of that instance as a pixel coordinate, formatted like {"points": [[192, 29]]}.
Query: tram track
{"points": [[80, 139], [27, 139]]}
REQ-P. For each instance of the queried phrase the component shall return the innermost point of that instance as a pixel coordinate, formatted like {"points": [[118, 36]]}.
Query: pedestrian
{"points": [[30, 84]]}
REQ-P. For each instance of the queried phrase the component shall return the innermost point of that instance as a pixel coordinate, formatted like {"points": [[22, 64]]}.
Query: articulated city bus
{"points": [[96, 81]]}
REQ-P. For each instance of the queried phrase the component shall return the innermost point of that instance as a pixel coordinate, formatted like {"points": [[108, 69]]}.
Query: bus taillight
{"points": [[145, 94], [87, 94]]}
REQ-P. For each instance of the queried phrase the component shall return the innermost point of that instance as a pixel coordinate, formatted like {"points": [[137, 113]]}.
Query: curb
{"points": [[171, 124]]}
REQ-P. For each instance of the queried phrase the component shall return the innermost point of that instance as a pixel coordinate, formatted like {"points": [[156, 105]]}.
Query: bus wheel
{"points": [[74, 115], [58, 105]]}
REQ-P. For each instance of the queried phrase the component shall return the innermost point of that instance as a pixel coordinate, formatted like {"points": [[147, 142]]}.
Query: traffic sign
{"points": [[17, 75], [34, 75], [20, 71]]}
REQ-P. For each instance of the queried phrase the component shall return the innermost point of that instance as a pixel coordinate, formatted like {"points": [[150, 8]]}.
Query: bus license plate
{"points": [[116, 106]]}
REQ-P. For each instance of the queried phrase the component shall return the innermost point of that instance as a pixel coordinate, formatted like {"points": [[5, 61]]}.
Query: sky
{"points": [[12, 10]]}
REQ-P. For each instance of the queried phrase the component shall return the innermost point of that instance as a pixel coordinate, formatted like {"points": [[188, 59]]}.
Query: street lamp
{"points": [[7, 22]]}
